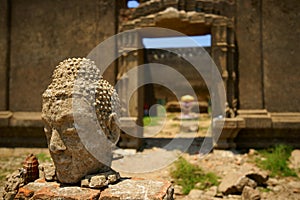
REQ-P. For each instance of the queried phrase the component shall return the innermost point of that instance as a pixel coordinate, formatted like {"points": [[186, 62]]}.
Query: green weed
{"points": [[43, 157], [264, 189], [275, 160], [187, 175], [151, 121]]}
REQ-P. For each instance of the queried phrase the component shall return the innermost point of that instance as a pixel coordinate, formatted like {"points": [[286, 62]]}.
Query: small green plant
{"points": [[151, 121], [275, 160], [190, 176], [264, 189], [175, 125], [42, 157]]}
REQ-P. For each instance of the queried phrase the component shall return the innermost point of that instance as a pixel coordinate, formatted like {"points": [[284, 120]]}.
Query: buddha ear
{"points": [[113, 127]]}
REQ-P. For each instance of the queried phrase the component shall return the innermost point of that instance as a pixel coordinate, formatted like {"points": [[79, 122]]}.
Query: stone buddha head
{"points": [[78, 91]]}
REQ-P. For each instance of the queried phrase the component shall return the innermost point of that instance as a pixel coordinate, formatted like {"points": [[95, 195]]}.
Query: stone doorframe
{"points": [[223, 48]]}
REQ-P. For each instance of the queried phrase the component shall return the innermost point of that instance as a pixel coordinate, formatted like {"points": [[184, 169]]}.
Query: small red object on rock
{"points": [[31, 169]]}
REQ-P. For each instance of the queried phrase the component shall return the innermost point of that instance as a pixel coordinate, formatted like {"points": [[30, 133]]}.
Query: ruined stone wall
{"points": [[220, 7], [281, 50], [267, 37], [248, 34], [4, 31], [34, 37], [42, 34]]}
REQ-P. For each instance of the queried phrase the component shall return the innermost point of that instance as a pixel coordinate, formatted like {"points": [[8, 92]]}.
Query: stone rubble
{"points": [[234, 183], [47, 171], [195, 194], [124, 189], [250, 193], [12, 185], [41, 189], [139, 189], [100, 180], [105, 186], [240, 179], [295, 161], [224, 164]]}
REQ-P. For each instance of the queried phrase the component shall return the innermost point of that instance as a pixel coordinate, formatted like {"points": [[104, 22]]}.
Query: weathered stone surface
{"points": [[4, 48], [76, 90], [272, 182], [230, 129], [138, 189], [53, 190], [234, 183], [250, 194], [126, 189], [13, 182], [254, 173], [195, 194], [249, 47], [280, 45], [68, 193], [265, 138], [258, 176], [295, 186], [47, 171], [53, 32], [5, 118], [211, 191], [134, 138], [248, 175], [26, 119], [28, 190], [23, 137], [257, 121], [100, 180], [295, 160], [178, 189]]}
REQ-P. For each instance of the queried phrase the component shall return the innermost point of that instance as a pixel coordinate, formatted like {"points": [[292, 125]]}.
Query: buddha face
{"points": [[79, 92], [72, 160]]}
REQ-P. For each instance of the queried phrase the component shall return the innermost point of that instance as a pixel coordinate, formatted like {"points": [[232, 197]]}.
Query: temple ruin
{"points": [[253, 43]]}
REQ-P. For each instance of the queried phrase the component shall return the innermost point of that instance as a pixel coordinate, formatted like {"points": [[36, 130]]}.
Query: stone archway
{"points": [[190, 23]]}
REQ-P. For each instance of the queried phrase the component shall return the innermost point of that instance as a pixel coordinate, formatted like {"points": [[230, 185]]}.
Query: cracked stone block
{"points": [[138, 189], [52, 190]]}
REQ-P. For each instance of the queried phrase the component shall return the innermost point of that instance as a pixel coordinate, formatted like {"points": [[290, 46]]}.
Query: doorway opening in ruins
{"points": [[191, 21], [153, 53]]}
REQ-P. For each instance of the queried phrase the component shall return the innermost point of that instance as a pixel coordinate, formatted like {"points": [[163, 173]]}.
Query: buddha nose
{"points": [[56, 143]]}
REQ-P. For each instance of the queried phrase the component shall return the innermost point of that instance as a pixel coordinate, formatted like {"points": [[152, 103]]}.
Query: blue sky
{"points": [[175, 42], [132, 4]]}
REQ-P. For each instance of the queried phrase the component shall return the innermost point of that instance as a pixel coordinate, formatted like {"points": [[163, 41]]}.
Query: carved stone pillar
{"points": [[122, 80], [129, 59], [132, 104], [219, 48], [231, 68]]}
